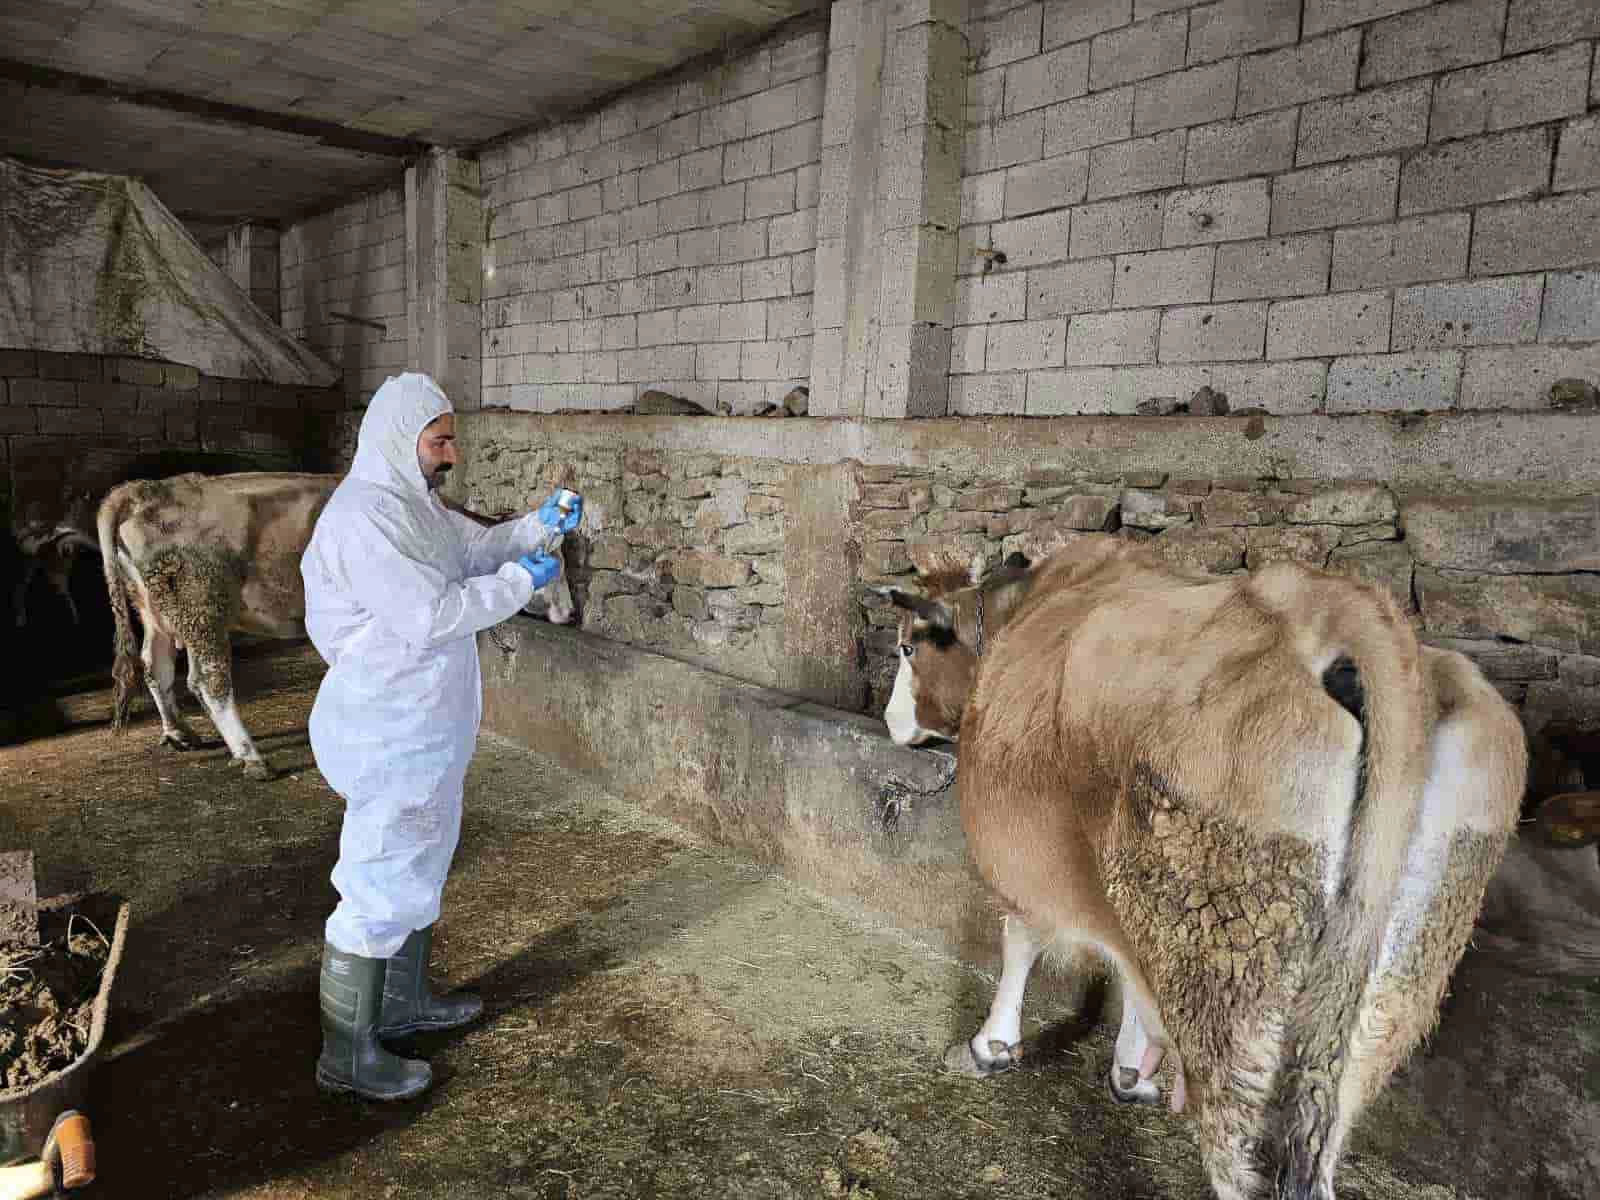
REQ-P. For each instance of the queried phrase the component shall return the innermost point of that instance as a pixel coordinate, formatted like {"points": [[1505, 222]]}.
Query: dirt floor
{"points": [[662, 1020]]}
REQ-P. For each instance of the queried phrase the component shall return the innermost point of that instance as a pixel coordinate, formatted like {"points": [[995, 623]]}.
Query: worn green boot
{"points": [[352, 1060], [408, 1005]]}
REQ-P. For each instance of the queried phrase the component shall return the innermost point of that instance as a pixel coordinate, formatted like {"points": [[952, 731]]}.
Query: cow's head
{"points": [[944, 627]]}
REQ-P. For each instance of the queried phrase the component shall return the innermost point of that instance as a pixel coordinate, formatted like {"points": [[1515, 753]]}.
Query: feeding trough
{"points": [[30, 1125]]}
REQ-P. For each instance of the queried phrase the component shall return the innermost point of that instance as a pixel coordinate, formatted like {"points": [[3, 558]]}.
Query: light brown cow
{"points": [[206, 556], [1258, 798]]}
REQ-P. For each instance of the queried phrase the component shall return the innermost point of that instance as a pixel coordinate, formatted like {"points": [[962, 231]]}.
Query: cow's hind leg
{"points": [[997, 1046], [214, 667], [160, 669]]}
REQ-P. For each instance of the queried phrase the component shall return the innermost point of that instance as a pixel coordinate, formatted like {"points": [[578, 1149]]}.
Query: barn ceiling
{"points": [[267, 109]]}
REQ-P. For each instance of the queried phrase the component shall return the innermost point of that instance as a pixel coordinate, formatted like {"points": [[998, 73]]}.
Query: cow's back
{"points": [[256, 525]]}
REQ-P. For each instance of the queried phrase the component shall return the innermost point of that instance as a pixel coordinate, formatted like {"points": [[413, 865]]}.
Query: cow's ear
{"points": [[935, 612], [1018, 561]]}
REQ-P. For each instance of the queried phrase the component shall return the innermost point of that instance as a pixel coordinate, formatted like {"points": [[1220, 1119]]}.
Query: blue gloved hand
{"points": [[542, 567], [551, 516]]}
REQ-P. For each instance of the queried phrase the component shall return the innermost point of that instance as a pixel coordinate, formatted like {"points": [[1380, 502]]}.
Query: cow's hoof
{"points": [[257, 769], [962, 1059], [1126, 1087], [179, 741]]}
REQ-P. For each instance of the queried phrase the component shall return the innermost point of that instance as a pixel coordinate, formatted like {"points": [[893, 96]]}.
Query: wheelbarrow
{"points": [[45, 1120]]}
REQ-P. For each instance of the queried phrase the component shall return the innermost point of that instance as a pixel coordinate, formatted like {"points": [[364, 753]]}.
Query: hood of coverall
{"points": [[386, 448]]}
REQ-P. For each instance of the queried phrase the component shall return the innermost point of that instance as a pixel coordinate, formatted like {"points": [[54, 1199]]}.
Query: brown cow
{"points": [[1258, 797], [205, 556]]}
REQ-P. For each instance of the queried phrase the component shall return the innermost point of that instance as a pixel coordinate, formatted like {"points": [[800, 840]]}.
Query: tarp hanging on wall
{"points": [[95, 264]]}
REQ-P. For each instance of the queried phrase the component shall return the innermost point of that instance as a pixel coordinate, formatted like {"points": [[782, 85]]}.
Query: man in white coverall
{"points": [[397, 585]]}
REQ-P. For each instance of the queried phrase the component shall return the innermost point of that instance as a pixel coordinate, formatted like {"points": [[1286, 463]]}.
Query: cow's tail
{"points": [[1375, 672], [127, 672]]}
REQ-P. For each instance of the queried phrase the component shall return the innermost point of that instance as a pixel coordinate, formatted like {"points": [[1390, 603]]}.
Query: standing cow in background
{"points": [[205, 556], [1259, 798]]}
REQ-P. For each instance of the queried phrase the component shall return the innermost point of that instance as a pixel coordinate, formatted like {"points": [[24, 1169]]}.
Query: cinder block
{"points": [[1026, 345], [1230, 149], [1323, 16], [1224, 212], [1354, 193], [1213, 332], [1571, 307], [1484, 312], [719, 206], [967, 344], [770, 196], [1395, 382], [793, 233], [1077, 20], [1563, 232], [1142, 165], [796, 147], [1051, 183], [1242, 27], [1520, 376], [699, 323], [1578, 158], [1411, 251], [1279, 388], [1458, 33], [803, 268], [1186, 98], [1007, 38], [742, 322], [789, 318], [1070, 288], [1005, 143], [1139, 51], [1536, 23], [1117, 227], [1346, 323], [1520, 91], [1164, 277], [61, 393], [742, 242], [1047, 79], [1499, 166], [1324, 67], [742, 160], [1369, 123], [1291, 266], [1090, 121], [988, 395], [714, 285], [981, 299], [924, 78], [766, 280], [1113, 338], [1030, 241], [699, 247], [772, 109]]}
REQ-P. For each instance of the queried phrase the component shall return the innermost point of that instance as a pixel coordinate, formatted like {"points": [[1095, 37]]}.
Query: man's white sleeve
{"points": [[490, 547]]}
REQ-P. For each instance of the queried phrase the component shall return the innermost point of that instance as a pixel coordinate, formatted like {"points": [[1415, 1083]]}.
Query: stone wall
{"points": [[344, 288], [70, 423], [1318, 206], [664, 241]]}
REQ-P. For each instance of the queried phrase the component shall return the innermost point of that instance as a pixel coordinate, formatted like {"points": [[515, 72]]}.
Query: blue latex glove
{"points": [[541, 566], [551, 517]]}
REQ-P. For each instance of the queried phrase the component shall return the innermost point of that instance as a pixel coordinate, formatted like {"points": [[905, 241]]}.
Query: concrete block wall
{"points": [[665, 241], [350, 261], [1309, 205], [69, 421]]}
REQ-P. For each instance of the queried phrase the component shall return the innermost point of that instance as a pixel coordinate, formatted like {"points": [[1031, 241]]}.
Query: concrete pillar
{"points": [[889, 208], [251, 260], [444, 275]]}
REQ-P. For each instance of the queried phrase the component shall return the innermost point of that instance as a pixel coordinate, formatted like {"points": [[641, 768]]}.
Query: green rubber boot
{"points": [[408, 1005], [352, 1060]]}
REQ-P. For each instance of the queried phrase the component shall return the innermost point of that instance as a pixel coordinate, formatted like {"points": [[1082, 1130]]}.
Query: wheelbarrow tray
{"points": [[26, 1114]]}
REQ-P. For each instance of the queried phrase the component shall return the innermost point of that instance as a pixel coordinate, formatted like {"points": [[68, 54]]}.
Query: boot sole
{"points": [[411, 1027], [339, 1087]]}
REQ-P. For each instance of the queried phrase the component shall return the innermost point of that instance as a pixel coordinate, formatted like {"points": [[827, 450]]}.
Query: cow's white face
{"points": [[901, 714], [935, 675]]}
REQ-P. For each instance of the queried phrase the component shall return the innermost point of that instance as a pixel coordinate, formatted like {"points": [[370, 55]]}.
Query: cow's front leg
{"points": [[214, 667], [997, 1046], [1128, 1086], [160, 656]]}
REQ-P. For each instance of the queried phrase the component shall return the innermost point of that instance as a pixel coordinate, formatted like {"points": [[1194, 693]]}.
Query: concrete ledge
{"points": [[821, 794], [1528, 450]]}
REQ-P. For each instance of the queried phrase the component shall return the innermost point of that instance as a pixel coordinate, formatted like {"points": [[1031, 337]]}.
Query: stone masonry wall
{"points": [[1310, 205], [350, 261], [680, 552], [666, 241]]}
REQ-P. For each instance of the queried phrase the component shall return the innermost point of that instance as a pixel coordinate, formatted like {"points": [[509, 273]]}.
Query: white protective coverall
{"points": [[397, 586]]}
